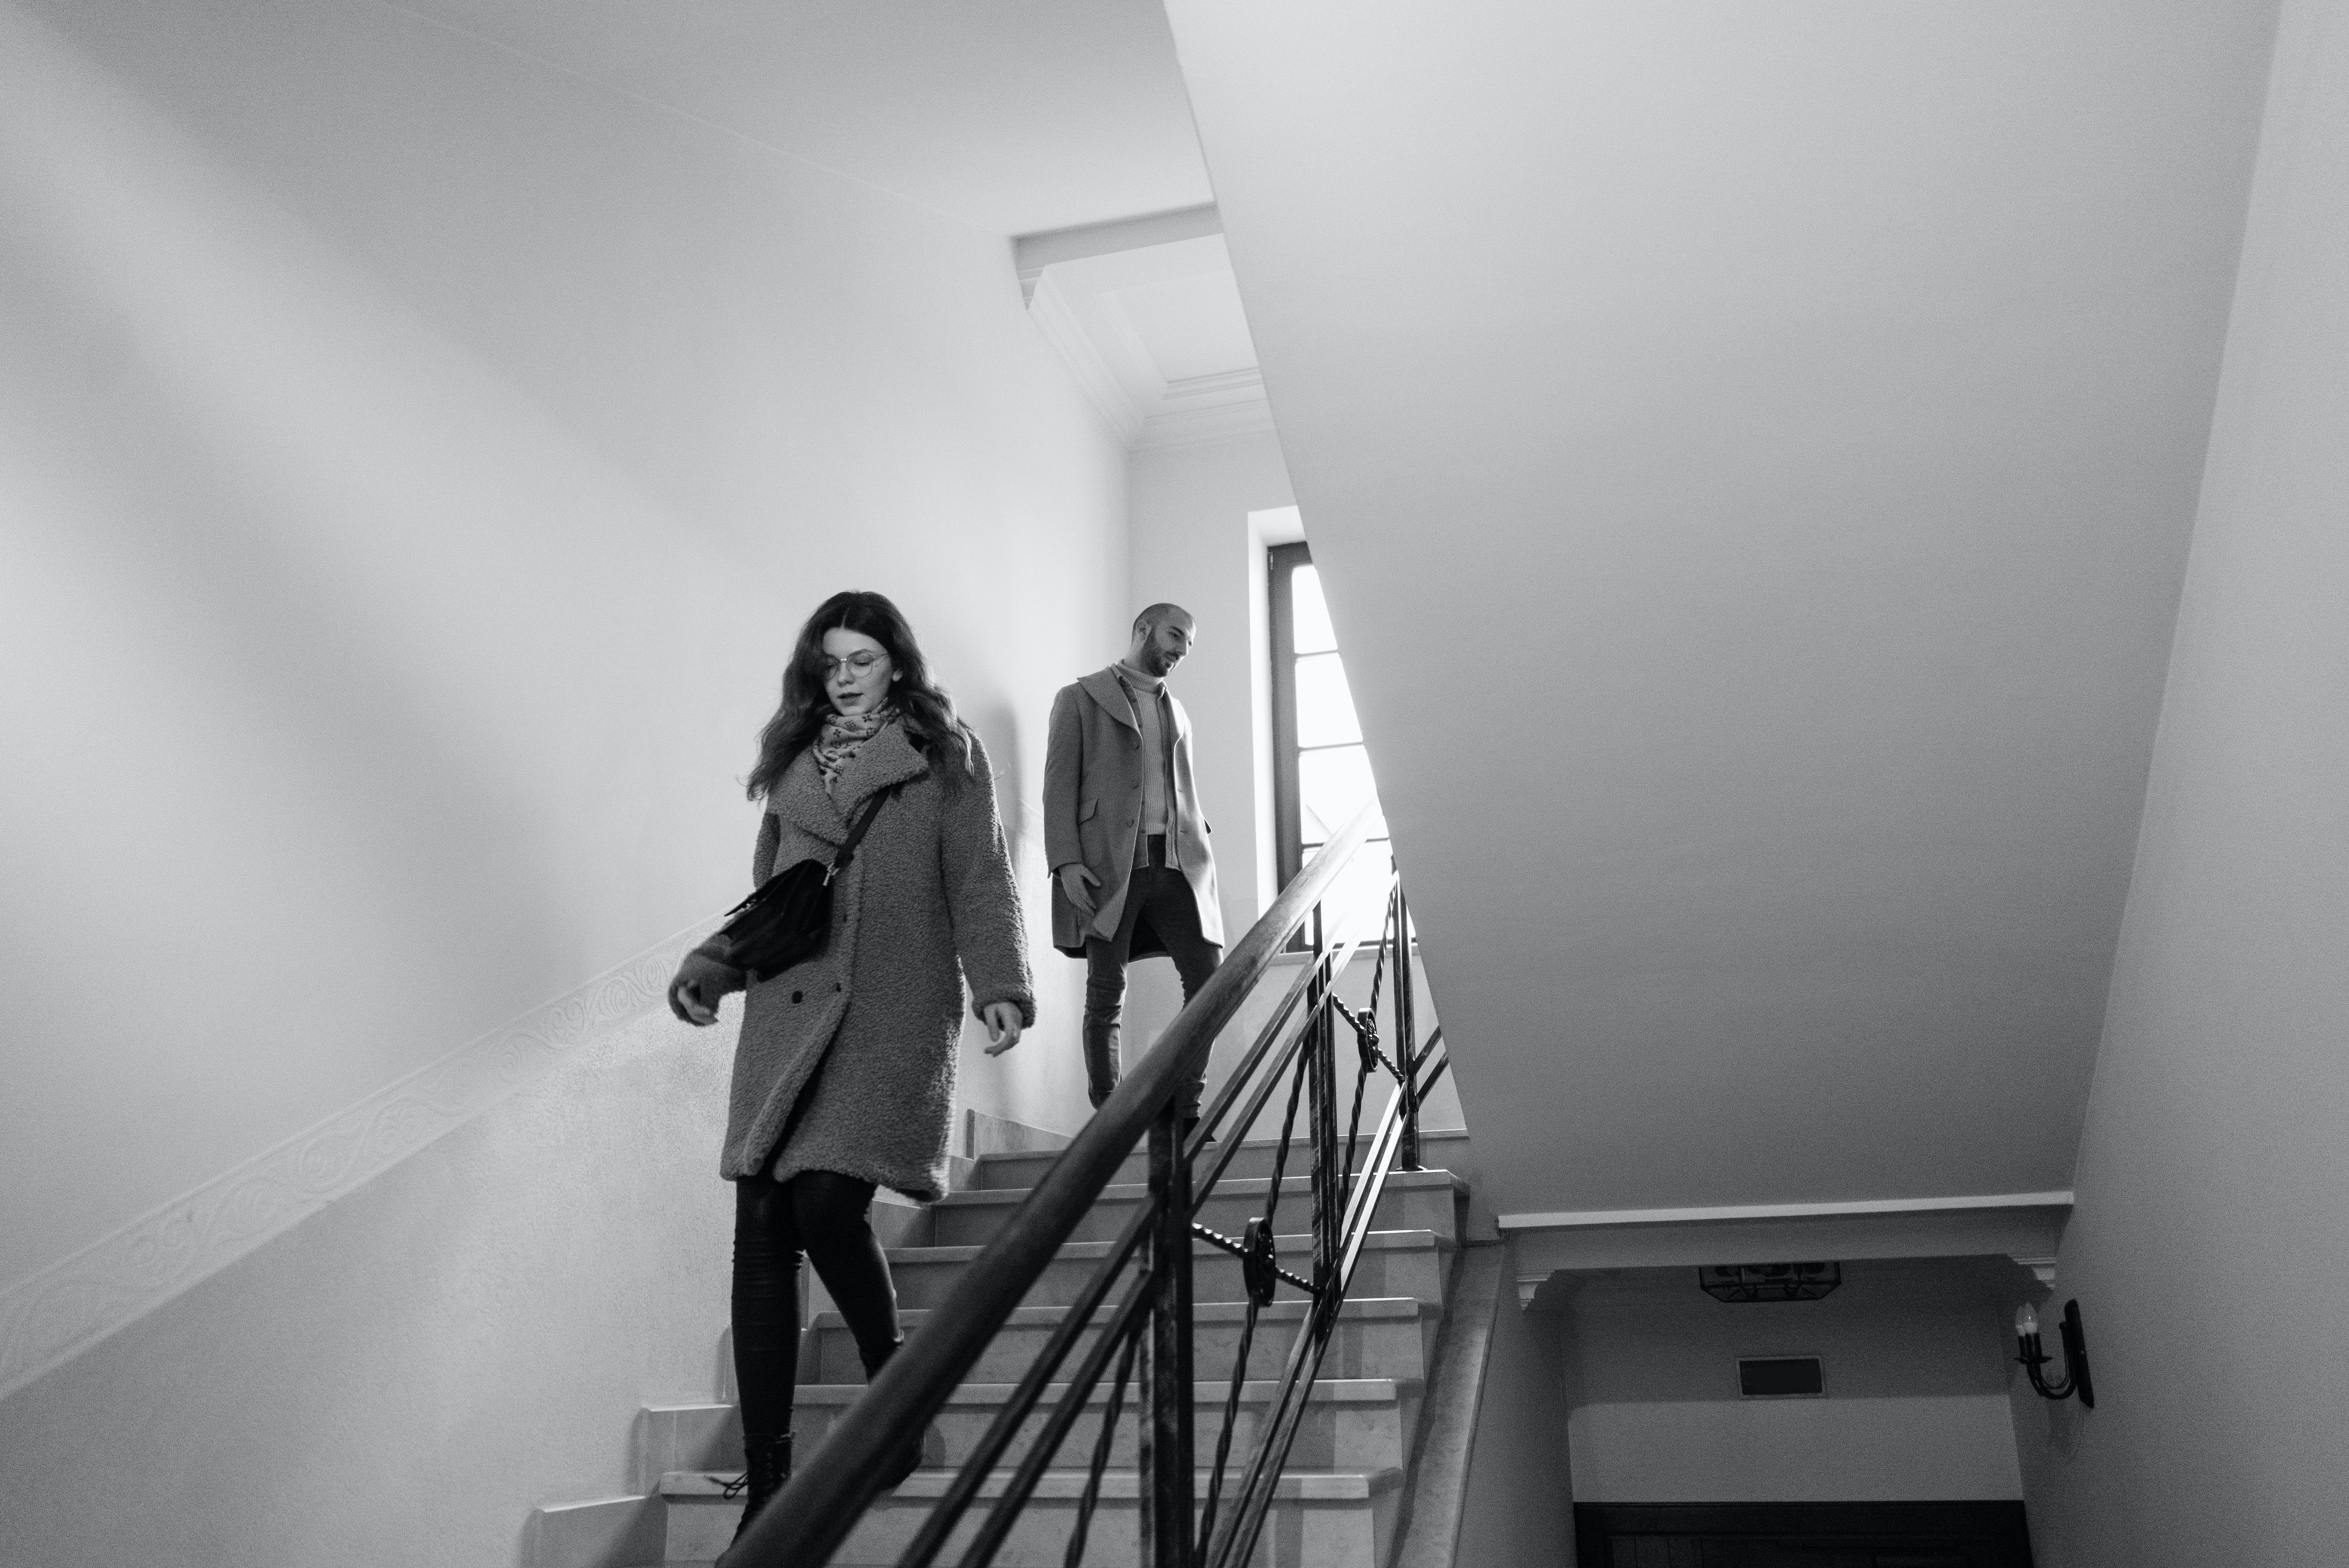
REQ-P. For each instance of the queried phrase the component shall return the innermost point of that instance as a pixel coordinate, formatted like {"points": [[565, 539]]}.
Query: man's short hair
{"points": [[1148, 620]]}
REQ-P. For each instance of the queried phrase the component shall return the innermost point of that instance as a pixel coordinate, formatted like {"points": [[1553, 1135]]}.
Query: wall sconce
{"points": [[2076, 1355]]}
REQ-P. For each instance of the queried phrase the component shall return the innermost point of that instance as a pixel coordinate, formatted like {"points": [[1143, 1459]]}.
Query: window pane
{"points": [[1361, 886], [1309, 613], [1331, 786], [1325, 703]]}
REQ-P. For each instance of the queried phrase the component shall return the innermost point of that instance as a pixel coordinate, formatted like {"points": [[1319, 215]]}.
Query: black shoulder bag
{"points": [[788, 919]]}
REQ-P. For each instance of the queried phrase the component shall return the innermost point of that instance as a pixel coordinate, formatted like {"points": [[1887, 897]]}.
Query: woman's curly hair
{"points": [[928, 712]]}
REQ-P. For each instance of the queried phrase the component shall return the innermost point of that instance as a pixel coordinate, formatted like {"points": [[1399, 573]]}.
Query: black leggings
{"points": [[822, 1214]]}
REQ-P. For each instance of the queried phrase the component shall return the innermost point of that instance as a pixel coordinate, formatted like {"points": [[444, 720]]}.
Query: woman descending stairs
{"points": [[1341, 1492]]}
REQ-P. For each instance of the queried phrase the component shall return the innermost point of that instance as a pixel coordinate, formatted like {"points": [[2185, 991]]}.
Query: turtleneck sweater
{"points": [[1148, 693]]}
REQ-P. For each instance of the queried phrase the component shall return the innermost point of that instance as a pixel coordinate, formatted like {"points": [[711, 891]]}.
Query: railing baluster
{"points": [[1119, 1336], [1102, 1444], [1320, 1114], [1167, 1456], [1406, 1032]]}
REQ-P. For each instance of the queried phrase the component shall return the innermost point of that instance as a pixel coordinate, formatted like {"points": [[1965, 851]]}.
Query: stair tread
{"points": [[1117, 1484], [1207, 1390], [1230, 1186], [1426, 1135], [1376, 1240], [1369, 1306]]}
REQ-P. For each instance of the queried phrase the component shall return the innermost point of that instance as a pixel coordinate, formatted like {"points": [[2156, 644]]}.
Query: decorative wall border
{"points": [[57, 1313]]}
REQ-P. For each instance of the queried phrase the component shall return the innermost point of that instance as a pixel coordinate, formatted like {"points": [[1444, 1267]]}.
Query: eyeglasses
{"points": [[857, 665]]}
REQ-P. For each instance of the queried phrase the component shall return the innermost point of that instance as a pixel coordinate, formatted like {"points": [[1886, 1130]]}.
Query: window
{"points": [[1321, 773]]}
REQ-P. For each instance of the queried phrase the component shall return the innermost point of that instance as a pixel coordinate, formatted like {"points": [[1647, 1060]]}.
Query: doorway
{"points": [[1801, 1535]]}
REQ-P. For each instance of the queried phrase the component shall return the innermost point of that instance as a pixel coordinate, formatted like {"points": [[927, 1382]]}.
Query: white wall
{"points": [[396, 1381], [1913, 1355], [2209, 1249], [1751, 452], [1519, 1511], [416, 463]]}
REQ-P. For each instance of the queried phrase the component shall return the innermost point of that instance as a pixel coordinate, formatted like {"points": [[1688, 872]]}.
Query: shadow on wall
{"points": [[999, 731]]}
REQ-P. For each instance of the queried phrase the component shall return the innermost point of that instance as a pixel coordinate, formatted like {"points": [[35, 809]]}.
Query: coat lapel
{"points": [[799, 798], [888, 759], [1103, 686], [803, 802]]}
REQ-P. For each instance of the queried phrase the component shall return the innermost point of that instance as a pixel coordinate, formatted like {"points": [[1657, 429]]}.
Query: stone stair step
{"points": [[600, 1529], [1437, 1150], [1318, 1519], [687, 1435], [1411, 1200], [1377, 1337], [1349, 1424], [1392, 1263]]}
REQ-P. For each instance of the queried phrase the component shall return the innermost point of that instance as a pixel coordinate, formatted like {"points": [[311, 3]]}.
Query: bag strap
{"points": [[856, 834]]}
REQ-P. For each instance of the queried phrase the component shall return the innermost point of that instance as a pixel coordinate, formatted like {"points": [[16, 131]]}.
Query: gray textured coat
{"points": [[879, 1010]]}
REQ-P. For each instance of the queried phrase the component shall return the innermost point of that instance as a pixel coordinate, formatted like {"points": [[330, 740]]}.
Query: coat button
{"points": [[795, 996]]}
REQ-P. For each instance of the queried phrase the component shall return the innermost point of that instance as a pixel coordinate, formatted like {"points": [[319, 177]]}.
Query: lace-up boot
{"points": [[768, 1466]]}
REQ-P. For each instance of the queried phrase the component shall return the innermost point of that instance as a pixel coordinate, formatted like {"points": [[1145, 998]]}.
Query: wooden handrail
{"points": [[814, 1513]]}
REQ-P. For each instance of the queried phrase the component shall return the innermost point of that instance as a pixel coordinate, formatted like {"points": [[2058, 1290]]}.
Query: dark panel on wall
{"points": [[1801, 1535], [1779, 1377]]}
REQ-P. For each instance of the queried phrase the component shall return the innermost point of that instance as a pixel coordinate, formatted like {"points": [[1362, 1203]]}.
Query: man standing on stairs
{"points": [[1131, 869]]}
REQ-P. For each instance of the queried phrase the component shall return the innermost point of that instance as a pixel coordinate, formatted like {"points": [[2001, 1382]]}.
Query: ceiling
{"points": [[1152, 330], [1022, 117], [1751, 452], [1178, 303], [1015, 116]]}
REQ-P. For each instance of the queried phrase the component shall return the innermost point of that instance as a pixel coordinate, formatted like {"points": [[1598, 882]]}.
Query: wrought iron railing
{"points": [[1137, 1304]]}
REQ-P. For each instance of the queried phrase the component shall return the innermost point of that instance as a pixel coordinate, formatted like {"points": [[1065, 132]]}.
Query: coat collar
{"points": [[889, 757], [1103, 686]]}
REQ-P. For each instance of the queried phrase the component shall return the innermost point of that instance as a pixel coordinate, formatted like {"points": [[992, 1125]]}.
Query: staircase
{"points": [[1058, 1265], [1340, 1496]]}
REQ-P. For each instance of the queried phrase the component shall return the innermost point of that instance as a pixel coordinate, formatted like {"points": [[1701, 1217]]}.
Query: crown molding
{"points": [[63, 1310], [1031, 254], [1587, 1219], [2040, 1265], [2029, 1225], [1050, 309], [1228, 406]]}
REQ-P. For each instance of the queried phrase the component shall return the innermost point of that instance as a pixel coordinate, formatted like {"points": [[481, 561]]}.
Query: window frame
{"points": [[1281, 561]]}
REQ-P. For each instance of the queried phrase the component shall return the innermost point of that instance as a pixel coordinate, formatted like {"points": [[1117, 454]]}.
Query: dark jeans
{"points": [[1159, 897], [822, 1214]]}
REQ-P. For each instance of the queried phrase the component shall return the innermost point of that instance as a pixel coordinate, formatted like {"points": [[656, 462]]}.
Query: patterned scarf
{"points": [[845, 736]]}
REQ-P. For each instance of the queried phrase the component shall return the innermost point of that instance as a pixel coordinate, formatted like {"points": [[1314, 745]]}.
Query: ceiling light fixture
{"points": [[1769, 1281]]}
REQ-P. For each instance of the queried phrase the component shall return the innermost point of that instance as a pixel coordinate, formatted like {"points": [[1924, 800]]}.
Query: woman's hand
{"points": [[1002, 1021], [700, 981]]}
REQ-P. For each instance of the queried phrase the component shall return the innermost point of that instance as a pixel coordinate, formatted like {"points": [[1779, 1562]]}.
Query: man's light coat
{"points": [[1093, 767]]}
